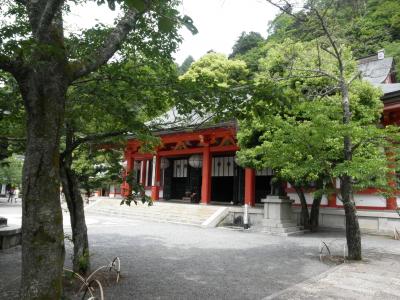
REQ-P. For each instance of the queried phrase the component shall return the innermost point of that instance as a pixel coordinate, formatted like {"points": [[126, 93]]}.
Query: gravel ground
{"points": [[169, 261]]}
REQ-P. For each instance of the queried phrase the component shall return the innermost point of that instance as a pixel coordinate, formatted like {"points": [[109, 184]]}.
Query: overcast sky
{"points": [[220, 22]]}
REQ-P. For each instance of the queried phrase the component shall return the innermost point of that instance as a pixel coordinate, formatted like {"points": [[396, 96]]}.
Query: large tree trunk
{"points": [[43, 87], [314, 215], [43, 90], [81, 259], [304, 215]]}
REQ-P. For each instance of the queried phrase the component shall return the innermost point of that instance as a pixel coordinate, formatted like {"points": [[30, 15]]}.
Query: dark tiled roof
{"points": [[172, 119], [375, 70]]}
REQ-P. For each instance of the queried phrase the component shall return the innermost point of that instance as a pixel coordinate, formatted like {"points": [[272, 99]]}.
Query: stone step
{"points": [[188, 214], [275, 224], [291, 233], [159, 213], [162, 206], [151, 214], [166, 217], [293, 230], [156, 219]]}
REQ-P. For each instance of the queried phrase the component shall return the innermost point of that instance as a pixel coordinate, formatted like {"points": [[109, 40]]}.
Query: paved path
{"points": [[376, 278], [170, 261]]}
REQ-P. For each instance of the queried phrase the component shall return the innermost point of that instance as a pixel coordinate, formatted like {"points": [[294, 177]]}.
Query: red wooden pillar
{"points": [[206, 177], [332, 197], [332, 200], [249, 186], [155, 185], [391, 202]]}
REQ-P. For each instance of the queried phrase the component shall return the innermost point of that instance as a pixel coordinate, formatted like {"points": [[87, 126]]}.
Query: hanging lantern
{"points": [[196, 161], [164, 163]]}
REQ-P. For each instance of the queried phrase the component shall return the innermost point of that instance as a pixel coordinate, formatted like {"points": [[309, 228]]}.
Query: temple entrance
{"points": [[222, 189], [179, 178], [181, 181], [222, 180]]}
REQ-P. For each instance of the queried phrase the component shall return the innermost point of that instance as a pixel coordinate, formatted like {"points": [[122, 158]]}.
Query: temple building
{"points": [[196, 163]]}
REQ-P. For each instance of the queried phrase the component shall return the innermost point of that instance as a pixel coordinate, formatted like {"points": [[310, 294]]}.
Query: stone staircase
{"points": [[178, 213]]}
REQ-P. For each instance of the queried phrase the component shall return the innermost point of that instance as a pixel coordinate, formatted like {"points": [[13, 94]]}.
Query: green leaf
{"points": [[165, 24], [139, 5]]}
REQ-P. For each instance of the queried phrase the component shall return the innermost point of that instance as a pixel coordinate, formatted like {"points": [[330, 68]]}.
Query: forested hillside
{"points": [[365, 25]]}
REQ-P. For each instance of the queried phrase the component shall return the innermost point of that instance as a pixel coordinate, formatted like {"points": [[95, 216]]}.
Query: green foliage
{"points": [[246, 42], [393, 49], [294, 124], [365, 25], [117, 100], [289, 102], [210, 84], [96, 168], [168, 15], [186, 65], [253, 56], [280, 27], [84, 262], [138, 192], [12, 118], [111, 103], [216, 70], [140, 5], [11, 170]]}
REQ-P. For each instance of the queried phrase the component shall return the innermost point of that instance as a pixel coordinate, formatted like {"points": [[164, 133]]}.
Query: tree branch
{"points": [[337, 55], [376, 140], [12, 139], [91, 138], [109, 47], [321, 72], [8, 65], [328, 51], [286, 8], [355, 76]]}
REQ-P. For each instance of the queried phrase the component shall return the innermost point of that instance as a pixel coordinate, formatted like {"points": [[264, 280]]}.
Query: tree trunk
{"points": [[43, 90], [314, 215], [304, 215], [81, 259], [353, 235], [43, 86]]}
